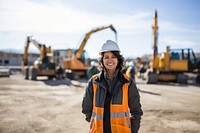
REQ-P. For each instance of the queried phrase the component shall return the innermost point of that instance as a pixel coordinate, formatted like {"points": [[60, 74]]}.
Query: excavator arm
{"points": [[155, 39], [87, 36], [25, 56]]}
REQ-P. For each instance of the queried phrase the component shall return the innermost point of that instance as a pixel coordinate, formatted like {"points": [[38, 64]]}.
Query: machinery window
{"points": [[185, 54], [176, 54], [85, 58], [192, 57]]}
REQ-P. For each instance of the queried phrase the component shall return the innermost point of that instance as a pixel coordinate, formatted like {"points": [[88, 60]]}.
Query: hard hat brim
{"points": [[109, 51]]}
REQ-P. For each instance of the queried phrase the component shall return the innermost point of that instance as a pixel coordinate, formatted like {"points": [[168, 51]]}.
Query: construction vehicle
{"points": [[172, 65], [76, 65], [43, 65]]}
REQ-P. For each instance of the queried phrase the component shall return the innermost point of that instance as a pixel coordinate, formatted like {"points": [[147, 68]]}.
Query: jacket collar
{"points": [[120, 75]]}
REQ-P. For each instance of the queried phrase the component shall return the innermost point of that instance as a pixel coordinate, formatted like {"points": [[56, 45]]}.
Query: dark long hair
{"points": [[116, 54]]}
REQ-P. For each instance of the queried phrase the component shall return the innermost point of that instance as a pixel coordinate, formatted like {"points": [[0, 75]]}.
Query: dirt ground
{"points": [[46, 106]]}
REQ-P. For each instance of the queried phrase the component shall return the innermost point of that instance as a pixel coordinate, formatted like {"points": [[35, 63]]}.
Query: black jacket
{"points": [[103, 99]]}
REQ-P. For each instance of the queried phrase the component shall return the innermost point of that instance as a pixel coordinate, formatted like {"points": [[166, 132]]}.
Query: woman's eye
{"points": [[106, 58]]}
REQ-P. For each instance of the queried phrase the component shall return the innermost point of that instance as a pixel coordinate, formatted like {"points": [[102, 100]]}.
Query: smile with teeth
{"points": [[110, 64]]}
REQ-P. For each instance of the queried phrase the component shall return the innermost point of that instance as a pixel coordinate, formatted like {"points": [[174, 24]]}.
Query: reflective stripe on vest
{"points": [[97, 116], [119, 114]]}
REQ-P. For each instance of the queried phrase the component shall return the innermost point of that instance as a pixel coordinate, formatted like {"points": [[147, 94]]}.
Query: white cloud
{"points": [[62, 26], [30, 16], [37, 17]]}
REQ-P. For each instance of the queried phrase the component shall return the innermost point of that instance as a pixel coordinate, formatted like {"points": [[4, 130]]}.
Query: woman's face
{"points": [[110, 61]]}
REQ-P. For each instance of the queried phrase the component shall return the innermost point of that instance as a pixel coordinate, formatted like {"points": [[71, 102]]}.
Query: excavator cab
{"points": [[85, 58], [186, 56]]}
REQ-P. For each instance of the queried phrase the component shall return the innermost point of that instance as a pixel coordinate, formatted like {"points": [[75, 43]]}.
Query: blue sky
{"points": [[62, 24]]}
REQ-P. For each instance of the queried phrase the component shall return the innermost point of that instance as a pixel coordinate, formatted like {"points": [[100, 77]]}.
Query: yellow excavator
{"points": [[43, 65], [77, 64], [173, 64]]}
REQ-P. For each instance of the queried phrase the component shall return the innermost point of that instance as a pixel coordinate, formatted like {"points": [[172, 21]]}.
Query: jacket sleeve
{"points": [[135, 106], [87, 102]]}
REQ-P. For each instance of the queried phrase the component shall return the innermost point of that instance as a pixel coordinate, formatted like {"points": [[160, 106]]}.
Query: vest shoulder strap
{"points": [[94, 77], [126, 77]]}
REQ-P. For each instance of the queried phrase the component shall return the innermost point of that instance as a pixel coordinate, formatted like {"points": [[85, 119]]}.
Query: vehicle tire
{"points": [[182, 79], [50, 77], [198, 79], [26, 73], [152, 78], [33, 73], [69, 74]]}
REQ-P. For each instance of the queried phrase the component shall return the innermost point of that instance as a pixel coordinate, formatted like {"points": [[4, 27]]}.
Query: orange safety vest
{"points": [[119, 114]]}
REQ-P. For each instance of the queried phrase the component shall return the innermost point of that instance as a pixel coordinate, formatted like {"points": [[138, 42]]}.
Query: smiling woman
{"points": [[111, 102], [110, 61]]}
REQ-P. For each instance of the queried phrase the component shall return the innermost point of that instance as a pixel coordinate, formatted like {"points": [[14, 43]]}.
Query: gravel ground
{"points": [[46, 106]]}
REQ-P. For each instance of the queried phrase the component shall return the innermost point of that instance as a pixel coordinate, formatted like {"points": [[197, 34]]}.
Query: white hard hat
{"points": [[127, 64], [92, 63], [109, 46], [131, 64]]}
